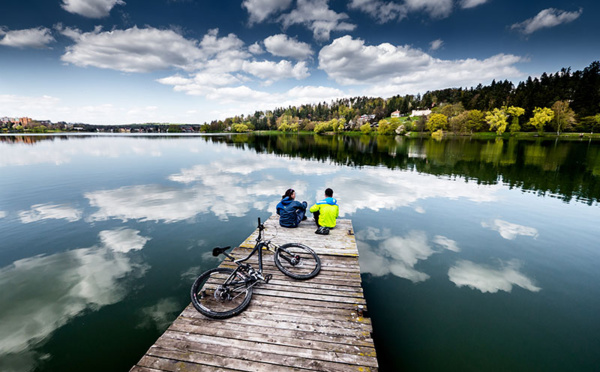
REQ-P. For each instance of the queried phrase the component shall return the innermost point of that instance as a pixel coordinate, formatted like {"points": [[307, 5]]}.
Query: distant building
{"points": [[396, 114], [420, 112], [25, 121]]}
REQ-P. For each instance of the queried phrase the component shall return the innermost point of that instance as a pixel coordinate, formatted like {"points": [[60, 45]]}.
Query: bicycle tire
{"points": [[308, 266], [213, 301]]}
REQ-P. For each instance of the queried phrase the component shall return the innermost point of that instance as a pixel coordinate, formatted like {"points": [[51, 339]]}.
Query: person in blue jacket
{"points": [[290, 211]]}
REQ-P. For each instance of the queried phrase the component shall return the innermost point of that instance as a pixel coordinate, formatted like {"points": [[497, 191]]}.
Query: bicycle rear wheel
{"points": [[221, 293], [297, 261]]}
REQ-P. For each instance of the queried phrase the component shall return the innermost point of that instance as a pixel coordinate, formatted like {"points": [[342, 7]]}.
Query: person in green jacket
{"points": [[326, 211]]}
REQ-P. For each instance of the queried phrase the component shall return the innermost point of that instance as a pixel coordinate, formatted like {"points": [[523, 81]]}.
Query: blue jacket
{"points": [[290, 212]]}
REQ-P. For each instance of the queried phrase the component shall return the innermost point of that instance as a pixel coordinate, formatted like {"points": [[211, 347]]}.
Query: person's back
{"points": [[326, 211], [290, 211]]}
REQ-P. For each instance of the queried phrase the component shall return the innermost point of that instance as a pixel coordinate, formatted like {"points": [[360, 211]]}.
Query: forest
{"points": [[565, 100]]}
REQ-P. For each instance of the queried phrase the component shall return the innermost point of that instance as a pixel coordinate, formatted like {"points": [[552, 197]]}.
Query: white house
{"points": [[396, 114], [420, 112]]}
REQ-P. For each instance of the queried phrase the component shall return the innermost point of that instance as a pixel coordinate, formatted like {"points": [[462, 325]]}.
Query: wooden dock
{"points": [[290, 325]]}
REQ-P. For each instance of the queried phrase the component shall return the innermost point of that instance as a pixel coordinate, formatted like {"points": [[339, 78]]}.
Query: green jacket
{"points": [[328, 211]]}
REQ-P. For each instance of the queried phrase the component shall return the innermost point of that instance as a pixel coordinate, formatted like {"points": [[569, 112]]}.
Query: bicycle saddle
{"points": [[219, 250]]}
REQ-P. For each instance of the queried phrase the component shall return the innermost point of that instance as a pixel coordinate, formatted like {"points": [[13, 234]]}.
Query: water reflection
{"points": [[64, 150], [566, 169], [160, 315], [41, 294], [510, 230], [216, 192], [398, 255], [380, 188], [490, 280], [123, 240], [50, 211]]}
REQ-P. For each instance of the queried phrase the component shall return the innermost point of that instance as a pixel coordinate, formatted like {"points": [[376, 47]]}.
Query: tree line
{"points": [[568, 100]]}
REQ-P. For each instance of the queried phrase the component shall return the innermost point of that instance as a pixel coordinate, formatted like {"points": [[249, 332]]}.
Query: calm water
{"points": [[476, 255]]}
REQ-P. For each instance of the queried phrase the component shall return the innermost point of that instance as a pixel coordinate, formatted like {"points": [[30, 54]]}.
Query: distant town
{"points": [[29, 125]]}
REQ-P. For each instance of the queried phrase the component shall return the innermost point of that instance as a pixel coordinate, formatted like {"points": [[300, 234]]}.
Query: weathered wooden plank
{"points": [[294, 333], [290, 325], [231, 353], [219, 360], [267, 335], [272, 348], [281, 317], [163, 364], [139, 368], [323, 328]]}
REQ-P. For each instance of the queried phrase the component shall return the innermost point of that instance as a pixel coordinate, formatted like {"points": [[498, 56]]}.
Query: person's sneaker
{"points": [[322, 230]]}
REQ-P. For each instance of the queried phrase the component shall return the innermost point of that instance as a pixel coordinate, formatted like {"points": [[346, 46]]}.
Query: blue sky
{"points": [[192, 61]]}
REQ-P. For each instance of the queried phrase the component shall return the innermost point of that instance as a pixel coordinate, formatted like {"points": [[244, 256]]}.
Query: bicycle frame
{"points": [[257, 247]]}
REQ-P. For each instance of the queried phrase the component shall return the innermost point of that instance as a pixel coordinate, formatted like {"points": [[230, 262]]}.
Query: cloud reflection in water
{"points": [[380, 188], [488, 279], [398, 255], [49, 211], [231, 187], [41, 294], [510, 230]]}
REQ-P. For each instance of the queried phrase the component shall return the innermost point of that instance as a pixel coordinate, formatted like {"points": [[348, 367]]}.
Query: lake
{"points": [[476, 255]]}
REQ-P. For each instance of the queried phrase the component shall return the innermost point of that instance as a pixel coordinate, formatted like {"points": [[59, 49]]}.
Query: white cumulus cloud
{"points": [[435, 8], [404, 69], [272, 71], [317, 17], [488, 279], [436, 44], [283, 46], [380, 10], [545, 19], [260, 10], [38, 38], [466, 4], [132, 50], [90, 8]]}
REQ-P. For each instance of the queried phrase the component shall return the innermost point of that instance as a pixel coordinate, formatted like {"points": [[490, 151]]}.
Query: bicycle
{"points": [[225, 292]]}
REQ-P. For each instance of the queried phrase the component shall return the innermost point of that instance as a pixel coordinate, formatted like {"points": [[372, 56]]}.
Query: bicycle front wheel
{"points": [[297, 261], [221, 293]]}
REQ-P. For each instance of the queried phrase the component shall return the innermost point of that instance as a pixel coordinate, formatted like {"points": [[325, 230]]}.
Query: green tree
{"points": [[323, 127], [564, 117], [436, 122], [515, 112], [475, 121], [541, 116], [497, 119], [366, 128], [384, 127], [458, 123], [451, 110], [239, 128]]}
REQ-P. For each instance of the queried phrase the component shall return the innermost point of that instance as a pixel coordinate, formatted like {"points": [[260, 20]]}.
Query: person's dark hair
{"points": [[329, 192], [288, 193]]}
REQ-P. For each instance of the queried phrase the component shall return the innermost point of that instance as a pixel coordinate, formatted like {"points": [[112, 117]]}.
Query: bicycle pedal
{"points": [[268, 277]]}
